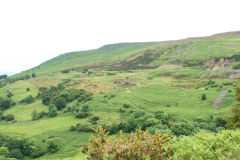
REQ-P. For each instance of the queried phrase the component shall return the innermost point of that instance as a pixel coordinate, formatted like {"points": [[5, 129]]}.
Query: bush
{"points": [[5, 104], [60, 103], [182, 128], [42, 114], [65, 71], [81, 115], [29, 99], [236, 66], [52, 110], [161, 115], [73, 128], [53, 145], [69, 109], [15, 153], [37, 151], [85, 108], [4, 151], [60, 86], [9, 94], [95, 118], [27, 76], [35, 115], [33, 75], [9, 117], [126, 105], [28, 89], [85, 127], [64, 94], [2, 117], [205, 145], [121, 110], [204, 97]]}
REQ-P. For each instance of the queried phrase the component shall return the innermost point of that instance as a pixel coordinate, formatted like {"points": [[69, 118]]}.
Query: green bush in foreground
{"points": [[223, 145]]}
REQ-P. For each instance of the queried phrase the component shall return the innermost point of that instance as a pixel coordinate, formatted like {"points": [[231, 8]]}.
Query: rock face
{"points": [[218, 100]]}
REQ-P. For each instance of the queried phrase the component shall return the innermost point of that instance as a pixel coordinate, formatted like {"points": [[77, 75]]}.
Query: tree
{"points": [[52, 110], [33, 75], [233, 121], [60, 103], [46, 100], [53, 145], [204, 97]]}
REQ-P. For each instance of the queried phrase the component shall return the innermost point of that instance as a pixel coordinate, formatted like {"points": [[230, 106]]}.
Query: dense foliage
{"points": [[60, 97], [233, 121], [205, 145], [17, 148]]}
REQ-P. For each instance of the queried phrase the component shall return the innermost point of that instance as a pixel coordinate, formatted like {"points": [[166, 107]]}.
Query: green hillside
{"points": [[118, 80]]}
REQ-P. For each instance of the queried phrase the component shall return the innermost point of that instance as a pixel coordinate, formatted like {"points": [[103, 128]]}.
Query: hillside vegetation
{"points": [[181, 88]]}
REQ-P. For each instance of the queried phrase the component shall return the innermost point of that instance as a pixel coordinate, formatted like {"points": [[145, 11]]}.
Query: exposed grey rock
{"points": [[218, 100], [234, 75]]}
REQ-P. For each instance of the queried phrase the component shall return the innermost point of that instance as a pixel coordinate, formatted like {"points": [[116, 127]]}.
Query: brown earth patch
{"points": [[185, 86]]}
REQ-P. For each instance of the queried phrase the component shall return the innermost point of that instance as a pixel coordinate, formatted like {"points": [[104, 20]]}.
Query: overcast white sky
{"points": [[33, 31]]}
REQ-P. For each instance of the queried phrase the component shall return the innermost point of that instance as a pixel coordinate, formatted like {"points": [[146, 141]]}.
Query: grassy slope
{"points": [[78, 59], [171, 88]]}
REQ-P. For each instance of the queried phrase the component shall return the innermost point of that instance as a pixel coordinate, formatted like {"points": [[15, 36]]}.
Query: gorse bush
{"points": [[140, 145]]}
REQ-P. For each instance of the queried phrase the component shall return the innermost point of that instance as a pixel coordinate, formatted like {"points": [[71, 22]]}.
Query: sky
{"points": [[33, 31]]}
